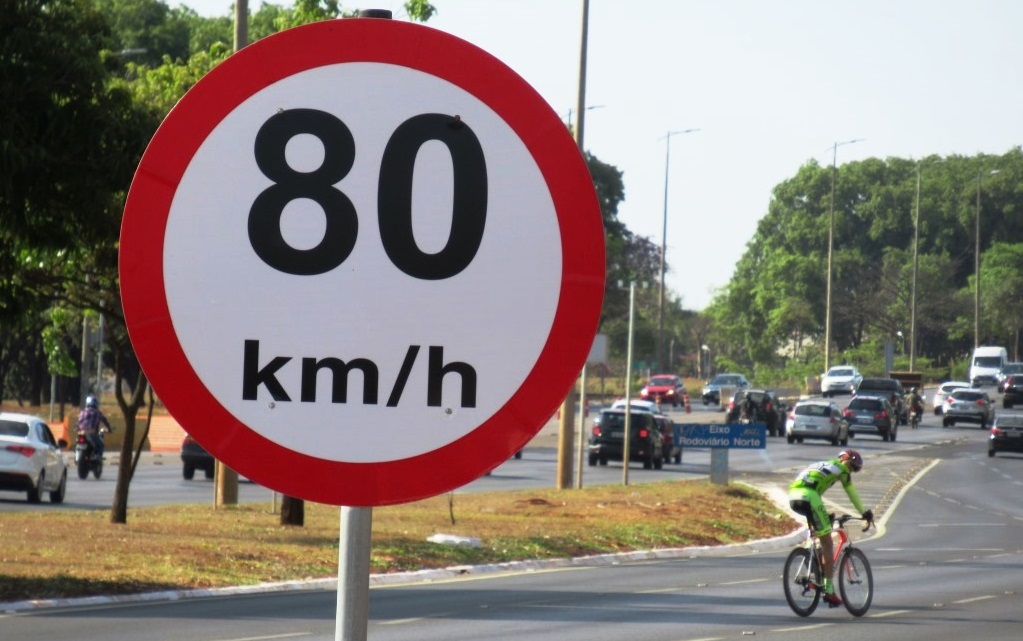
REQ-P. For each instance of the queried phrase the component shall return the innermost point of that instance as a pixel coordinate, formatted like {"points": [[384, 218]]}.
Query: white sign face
{"points": [[362, 262], [223, 297]]}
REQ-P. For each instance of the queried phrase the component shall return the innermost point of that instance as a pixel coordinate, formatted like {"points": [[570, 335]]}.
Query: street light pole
{"points": [[664, 240], [976, 265], [912, 295], [831, 249]]}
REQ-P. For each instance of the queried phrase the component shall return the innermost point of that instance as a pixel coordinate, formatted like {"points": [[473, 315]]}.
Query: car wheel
{"points": [[791, 439], [518, 455], [593, 460], [990, 453], [885, 437], [944, 422], [188, 471], [983, 424], [658, 463], [893, 435], [210, 471], [678, 458], [799, 439], [845, 441], [57, 496], [34, 493], [603, 460], [1007, 404], [834, 441]]}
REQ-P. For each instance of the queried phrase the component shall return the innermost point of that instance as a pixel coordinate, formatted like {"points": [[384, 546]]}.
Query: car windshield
{"points": [[725, 380], [813, 410], [662, 381], [13, 428], [612, 420], [868, 404], [841, 372], [967, 395], [987, 361]]}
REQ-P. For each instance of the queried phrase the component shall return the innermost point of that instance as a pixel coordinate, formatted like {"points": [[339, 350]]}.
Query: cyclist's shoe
{"points": [[833, 600]]}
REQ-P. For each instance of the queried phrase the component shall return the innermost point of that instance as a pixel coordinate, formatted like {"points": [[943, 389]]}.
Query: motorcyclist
{"points": [[748, 408], [915, 402], [89, 421], [805, 498]]}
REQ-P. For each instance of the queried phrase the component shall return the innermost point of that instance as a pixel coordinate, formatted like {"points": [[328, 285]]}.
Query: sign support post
{"points": [[353, 574]]}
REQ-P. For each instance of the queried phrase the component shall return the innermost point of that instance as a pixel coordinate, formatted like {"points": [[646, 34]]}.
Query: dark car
{"points": [[670, 450], [891, 389], [195, 457], [1006, 435], [1012, 390], [712, 390], [872, 415], [969, 405], [646, 444], [664, 388], [768, 409]]}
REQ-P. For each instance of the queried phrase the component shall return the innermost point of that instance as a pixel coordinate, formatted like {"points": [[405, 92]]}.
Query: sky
{"points": [[769, 86]]}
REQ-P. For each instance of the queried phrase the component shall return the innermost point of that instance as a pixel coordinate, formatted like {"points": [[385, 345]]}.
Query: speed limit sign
{"points": [[362, 262]]}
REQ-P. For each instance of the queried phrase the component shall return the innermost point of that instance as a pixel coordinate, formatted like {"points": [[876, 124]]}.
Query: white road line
{"points": [[288, 635], [890, 613], [801, 628], [744, 582], [975, 599]]}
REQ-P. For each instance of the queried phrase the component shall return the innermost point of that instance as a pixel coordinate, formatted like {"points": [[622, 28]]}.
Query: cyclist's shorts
{"points": [[810, 504]]}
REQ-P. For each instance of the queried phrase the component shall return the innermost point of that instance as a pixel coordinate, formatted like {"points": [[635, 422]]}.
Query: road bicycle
{"points": [[802, 577]]}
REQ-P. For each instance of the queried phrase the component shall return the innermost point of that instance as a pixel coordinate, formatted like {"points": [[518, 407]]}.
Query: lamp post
{"points": [[976, 264], [572, 111], [628, 387], [664, 240], [831, 248]]}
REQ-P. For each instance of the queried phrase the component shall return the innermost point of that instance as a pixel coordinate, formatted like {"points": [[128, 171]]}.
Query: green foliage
{"points": [[56, 345]]}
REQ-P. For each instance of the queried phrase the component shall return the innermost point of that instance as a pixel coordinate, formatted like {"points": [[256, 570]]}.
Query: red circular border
{"points": [[142, 244]]}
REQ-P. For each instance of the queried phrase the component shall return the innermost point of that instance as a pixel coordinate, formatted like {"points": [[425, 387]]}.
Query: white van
{"points": [[985, 365]]}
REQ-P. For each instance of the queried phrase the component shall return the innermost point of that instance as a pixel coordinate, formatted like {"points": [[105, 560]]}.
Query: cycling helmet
{"points": [[91, 401], [855, 460]]}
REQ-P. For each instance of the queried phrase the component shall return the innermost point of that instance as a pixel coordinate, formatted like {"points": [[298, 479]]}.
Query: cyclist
{"points": [[805, 498]]}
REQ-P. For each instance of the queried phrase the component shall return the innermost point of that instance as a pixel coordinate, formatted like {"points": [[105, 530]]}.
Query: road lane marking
{"points": [[890, 613], [287, 635], [801, 628], [986, 597]]}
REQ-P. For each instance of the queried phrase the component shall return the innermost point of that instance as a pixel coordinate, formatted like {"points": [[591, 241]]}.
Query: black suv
{"points": [[891, 389], [768, 408], [607, 442]]}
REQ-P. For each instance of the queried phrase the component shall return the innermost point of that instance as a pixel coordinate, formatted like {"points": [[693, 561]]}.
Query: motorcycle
{"points": [[87, 459], [914, 416]]}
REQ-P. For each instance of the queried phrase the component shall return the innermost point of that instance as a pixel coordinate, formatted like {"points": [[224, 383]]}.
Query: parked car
{"points": [[769, 409], [1006, 434], [607, 442], [664, 388], [840, 379], [1008, 370], [712, 390], [943, 391], [195, 457], [817, 419], [31, 460], [891, 389], [1012, 390], [872, 415], [670, 449], [969, 405]]}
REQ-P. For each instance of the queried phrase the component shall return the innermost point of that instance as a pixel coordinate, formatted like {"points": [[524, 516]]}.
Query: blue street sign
{"points": [[729, 435]]}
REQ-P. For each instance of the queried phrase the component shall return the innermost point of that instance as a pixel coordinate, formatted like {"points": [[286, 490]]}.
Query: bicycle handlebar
{"points": [[845, 518]]}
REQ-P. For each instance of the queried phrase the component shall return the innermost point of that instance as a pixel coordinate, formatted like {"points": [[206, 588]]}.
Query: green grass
{"points": [[51, 554]]}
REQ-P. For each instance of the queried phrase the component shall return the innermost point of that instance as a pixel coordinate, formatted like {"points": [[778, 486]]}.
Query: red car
{"points": [[664, 388]]}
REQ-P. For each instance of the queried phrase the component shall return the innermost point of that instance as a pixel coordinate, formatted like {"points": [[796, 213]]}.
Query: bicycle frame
{"points": [[803, 573]]}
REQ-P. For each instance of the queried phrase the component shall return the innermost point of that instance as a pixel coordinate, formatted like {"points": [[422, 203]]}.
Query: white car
{"points": [[637, 405], [30, 459], [840, 379], [943, 391], [817, 419]]}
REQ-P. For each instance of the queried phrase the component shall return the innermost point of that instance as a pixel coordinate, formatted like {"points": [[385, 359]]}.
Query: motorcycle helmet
{"points": [[92, 401], [855, 460]]}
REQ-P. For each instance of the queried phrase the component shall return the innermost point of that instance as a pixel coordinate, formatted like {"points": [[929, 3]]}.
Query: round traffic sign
{"points": [[362, 262]]}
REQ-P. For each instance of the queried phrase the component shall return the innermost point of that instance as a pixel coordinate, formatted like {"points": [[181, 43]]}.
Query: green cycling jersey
{"points": [[819, 477]]}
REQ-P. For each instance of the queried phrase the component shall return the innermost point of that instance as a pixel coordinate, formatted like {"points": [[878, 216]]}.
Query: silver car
{"points": [[970, 405], [841, 379], [943, 392], [817, 419]]}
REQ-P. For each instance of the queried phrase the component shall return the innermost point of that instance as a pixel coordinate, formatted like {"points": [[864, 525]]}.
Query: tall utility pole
{"points": [[976, 264], [566, 419], [831, 249], [912, 295], [664, 242]]}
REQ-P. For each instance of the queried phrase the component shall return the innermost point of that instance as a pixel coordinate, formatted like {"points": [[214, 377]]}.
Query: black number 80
{"points": [[394, 194]]}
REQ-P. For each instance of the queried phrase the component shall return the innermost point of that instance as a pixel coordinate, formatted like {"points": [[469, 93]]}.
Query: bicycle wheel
{"points": [[855, 582], [801, 580]]}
